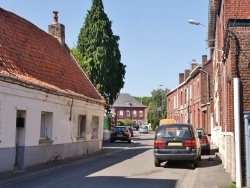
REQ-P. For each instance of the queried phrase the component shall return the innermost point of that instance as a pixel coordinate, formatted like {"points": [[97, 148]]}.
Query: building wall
{"points": [[23, 145], [225, 71], [137, 118], [190, 102]]}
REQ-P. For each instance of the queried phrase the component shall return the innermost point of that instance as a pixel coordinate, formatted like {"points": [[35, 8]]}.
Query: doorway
{"points": [[20, 137]]}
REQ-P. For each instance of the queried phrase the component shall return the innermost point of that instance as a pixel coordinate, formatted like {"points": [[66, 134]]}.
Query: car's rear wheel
{"points": [[157, 163], [195, 163]]}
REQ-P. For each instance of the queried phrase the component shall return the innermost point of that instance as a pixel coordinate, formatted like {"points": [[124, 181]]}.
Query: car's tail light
{"points": [[159, 143], [203, 140], [190, 143]]}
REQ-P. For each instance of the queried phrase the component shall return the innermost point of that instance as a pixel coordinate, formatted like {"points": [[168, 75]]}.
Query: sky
{"points": [[156, 40]]}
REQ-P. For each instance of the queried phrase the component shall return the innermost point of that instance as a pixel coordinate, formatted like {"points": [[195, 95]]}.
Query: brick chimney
{"points": [[204, 60], [186, 74], [181, 78], [57, 30], [193, 64]]}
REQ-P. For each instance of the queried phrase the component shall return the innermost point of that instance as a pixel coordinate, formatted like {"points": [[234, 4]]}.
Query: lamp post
{"points": [[194, 22], [162, 100]]}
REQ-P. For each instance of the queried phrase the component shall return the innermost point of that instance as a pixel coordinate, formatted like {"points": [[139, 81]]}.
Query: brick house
{"points": [[49, 109], [127, 107], [190, 102], [229, 41], [228, 70]]}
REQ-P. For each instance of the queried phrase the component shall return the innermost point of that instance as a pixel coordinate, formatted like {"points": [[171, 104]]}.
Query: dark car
{"points": [[204, 140], [121, 133], [177, 142]]}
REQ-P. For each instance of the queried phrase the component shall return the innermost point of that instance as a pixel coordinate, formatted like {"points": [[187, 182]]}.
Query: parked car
{"points": [[143, 129], [177, 141], [121, 133], [204, 140]]}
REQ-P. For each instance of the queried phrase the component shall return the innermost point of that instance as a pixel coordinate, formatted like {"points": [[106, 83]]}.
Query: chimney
{"points": [[186, 74], [204, 60], [57, 30], [193, 64], [181, 78]]}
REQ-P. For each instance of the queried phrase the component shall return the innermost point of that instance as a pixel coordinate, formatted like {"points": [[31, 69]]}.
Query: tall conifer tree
{"points": [[101, 58]]}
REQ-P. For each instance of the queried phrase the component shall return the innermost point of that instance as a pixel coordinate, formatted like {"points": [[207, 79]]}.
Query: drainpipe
{"points": [[237, 131], [247, 140]]}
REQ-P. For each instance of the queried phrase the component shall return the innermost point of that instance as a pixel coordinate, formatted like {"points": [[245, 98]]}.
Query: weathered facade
{"points": [[49, 109]]}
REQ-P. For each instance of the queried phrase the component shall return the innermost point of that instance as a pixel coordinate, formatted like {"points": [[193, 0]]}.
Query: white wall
{"points": [[33, 102]]}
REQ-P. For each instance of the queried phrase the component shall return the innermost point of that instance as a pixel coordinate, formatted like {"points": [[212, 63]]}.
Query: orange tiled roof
{"points": [[29, 53]]}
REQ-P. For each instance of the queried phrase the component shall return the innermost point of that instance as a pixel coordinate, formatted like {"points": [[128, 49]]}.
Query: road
{"points": [[129, 165]]}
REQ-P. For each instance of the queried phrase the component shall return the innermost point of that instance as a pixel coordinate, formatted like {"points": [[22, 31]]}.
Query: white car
{"points": [[143, 129]]}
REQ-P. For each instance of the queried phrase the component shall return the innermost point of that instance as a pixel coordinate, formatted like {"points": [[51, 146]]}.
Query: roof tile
{"points": [[29, 53]]}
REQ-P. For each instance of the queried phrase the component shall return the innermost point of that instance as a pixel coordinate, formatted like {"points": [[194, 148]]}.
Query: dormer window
{"points": [[128, 104]]}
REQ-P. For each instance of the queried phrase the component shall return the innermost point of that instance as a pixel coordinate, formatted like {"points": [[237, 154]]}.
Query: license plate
{"points": [[174, 144], [120, 135]]}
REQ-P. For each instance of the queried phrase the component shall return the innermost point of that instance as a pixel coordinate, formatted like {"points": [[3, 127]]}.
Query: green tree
{"points": [[157, 108], [98, 53], [144, 100]]}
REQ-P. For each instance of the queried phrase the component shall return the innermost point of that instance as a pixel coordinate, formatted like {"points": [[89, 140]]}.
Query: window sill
{"points": [[46, 141], [93, 137], [81, 138]]}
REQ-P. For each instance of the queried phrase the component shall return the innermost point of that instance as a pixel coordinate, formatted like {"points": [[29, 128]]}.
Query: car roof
{"points": [[176, 125]]}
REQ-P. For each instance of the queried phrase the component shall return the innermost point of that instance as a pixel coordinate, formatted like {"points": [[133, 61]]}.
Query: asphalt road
{"points": [[129, 165]]}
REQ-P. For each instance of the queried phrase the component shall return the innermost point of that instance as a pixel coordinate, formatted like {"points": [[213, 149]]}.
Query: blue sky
{"points": [[156, 40]]}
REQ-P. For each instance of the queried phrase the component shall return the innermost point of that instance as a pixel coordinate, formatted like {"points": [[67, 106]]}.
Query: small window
{"points": [[82, 126], [141, 113], [127, 113], [121, 113], [134, 113], [46, 125]]}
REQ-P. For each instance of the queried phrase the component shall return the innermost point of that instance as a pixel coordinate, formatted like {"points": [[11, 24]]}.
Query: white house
{"points": [[49, 109]]}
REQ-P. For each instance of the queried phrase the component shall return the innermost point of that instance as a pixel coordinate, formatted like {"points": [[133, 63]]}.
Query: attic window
{"points": [[128, 103]]}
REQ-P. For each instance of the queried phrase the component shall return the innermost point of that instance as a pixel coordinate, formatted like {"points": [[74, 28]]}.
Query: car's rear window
{"points": [[119, 128], [200, 132], [174, 131]]}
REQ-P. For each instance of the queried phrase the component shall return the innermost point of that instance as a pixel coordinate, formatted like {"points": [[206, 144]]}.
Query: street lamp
{"points": [[162, 100], [194, 22]]}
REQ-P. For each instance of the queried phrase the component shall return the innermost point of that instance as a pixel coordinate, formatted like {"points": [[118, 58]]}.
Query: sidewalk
{"points": [[210, 173], [13, 176]]}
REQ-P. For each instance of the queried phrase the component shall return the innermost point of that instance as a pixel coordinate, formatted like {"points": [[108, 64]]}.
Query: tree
{"points": [[98, 53], [144, 100], [157, 108]]}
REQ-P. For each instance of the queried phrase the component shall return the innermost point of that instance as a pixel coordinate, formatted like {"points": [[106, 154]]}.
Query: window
{"points": [[82, 126], [121, 113], [127, 113], [141, 113], [134, 113], [95, 127], [128, 103], [46, 126]]}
